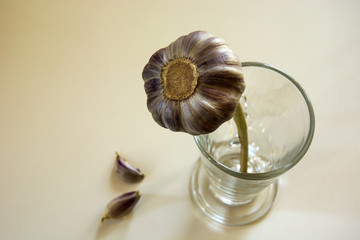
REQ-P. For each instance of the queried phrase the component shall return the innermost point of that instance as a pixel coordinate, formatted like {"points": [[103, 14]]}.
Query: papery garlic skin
{"points": [[127, 172], [209, 78], [121, 205]]}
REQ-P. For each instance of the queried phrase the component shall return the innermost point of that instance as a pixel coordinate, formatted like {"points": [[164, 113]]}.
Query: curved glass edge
{"points": [[302, 152]]}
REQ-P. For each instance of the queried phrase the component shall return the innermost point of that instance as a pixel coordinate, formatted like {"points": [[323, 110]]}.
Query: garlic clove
{"points": [[121, 205], [127, 172]]}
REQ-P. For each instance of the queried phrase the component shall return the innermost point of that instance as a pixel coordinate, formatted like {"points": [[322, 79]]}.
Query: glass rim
{"points": [[296, 159]]}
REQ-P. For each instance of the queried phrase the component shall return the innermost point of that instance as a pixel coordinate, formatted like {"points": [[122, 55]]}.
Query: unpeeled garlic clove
{"points": [[126, 171], [121, 205]]}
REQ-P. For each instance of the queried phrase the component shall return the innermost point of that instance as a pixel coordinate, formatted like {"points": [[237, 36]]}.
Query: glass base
{"points": [[217, 210]]}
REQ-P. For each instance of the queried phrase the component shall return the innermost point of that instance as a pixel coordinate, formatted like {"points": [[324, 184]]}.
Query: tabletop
{"points": [[71, 95]]}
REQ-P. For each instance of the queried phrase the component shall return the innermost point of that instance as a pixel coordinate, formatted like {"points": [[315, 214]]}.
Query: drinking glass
{"points": [[281, 123]]}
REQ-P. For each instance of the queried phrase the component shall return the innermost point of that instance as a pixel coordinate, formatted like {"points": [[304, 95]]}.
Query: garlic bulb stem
{"points": [[240, 120]]}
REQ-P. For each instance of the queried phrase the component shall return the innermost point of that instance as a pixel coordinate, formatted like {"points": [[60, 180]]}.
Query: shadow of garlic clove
{"points": [[121, 205], [127, 172], [194, 84]]}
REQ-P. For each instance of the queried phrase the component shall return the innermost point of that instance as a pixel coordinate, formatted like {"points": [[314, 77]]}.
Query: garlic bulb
{"points": [[194, 84]]}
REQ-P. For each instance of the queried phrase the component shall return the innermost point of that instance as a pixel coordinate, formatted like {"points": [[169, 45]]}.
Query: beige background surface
{"points": [[71, 94]]}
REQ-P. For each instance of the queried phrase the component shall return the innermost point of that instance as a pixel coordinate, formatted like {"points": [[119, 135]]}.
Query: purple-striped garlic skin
{"points": [[194, 84], [121, 205], [127, 172]]}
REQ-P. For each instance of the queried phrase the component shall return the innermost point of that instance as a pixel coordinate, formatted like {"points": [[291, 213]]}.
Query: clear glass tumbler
{"points": [[281, 125]]}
